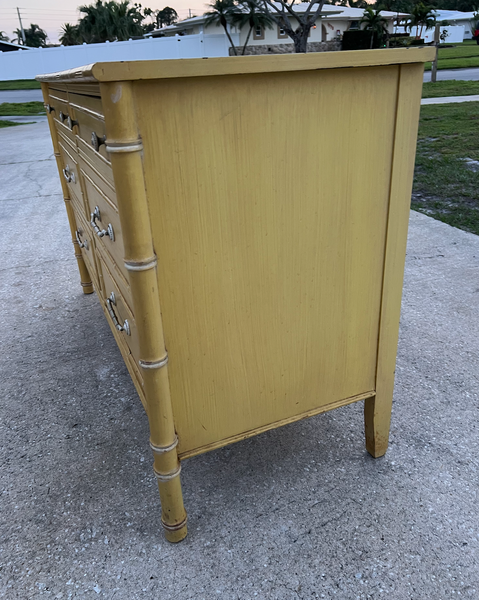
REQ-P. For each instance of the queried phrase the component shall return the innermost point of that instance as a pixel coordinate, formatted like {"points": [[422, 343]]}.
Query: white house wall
{"points": [[27, 64]]}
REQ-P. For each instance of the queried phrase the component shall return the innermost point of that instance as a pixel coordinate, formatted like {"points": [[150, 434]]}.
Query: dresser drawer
{"points": [[71, 171], [61, 113], [86, 241], [121, 317], [90, 121], [104, 215], [99, 170]]}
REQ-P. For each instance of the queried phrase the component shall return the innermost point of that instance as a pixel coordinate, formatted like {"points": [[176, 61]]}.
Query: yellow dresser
{"points": [[243, 221]]}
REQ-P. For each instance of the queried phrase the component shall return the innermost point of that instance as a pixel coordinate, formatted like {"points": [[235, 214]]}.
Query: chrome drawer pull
{"points": [[80, 243], [101, 232], [69, 175], [49, 108], [96, 141], [62, 116], [110, 303], [71, 123]]}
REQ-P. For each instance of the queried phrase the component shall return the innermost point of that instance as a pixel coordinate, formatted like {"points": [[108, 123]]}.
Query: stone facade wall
{"points": [[332, 46]]}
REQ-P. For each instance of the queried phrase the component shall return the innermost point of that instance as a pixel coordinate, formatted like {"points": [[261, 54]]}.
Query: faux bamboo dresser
{"points": [[249, 214]]}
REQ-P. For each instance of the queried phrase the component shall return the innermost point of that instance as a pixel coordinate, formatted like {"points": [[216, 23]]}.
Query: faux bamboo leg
{"points": [[125, 148], [377, 418], [85, 278]]}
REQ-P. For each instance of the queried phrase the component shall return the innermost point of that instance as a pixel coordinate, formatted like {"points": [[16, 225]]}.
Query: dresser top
{"points": [[271, 63]]}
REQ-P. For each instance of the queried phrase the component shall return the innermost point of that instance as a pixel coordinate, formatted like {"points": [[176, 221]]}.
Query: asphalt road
{"points": [[461, 74], [21, 96]]}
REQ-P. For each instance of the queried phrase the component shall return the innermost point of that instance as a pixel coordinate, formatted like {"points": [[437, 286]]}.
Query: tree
{"points": [[166, 16], [249, 14], [221, 12], [69, 35], [110, 21], [375, 23], [282, 11], [422, 17], [4, 37], [35, 37]]}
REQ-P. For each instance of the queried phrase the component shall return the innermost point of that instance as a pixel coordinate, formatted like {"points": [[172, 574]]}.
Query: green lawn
{"points": [[444, 186], [10, 109], [460, 56], [11, 124], [20, 84], [453, 87]]}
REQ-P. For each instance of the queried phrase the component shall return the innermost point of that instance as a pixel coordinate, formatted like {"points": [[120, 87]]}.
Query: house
{"points": [[458, 18], [333, 22], [9, 47]]}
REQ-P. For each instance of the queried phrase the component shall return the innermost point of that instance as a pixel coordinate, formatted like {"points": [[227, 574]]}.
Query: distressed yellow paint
{"points": [[263, 207]]}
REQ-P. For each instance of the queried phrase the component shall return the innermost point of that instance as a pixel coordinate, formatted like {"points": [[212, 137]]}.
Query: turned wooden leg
{"points": [[377, 418]]}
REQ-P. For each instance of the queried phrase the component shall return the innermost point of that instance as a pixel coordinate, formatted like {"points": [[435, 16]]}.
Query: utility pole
{"points": [[21, 26], [190, 13]]}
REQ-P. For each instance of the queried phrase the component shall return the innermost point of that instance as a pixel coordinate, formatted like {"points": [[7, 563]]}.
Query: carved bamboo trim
{"points": [[174, 527], [157, 364], [143, 265], [118, 147], [164, 449], [167, 476]]}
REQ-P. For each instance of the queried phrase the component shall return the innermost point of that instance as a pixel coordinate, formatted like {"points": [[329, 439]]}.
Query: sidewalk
{"points": [[450, 99], [301, 512]]}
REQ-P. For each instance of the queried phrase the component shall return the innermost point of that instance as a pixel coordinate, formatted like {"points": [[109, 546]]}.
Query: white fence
{"points": [[26, 64], [449, 34]]}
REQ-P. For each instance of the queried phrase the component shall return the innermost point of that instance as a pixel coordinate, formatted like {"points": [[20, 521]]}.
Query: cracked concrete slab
{"points": [[300, 512]]}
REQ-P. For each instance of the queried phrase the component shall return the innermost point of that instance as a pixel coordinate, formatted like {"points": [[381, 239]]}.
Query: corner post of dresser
{"points": [[125, 147], [85, 278], [377, 409]]}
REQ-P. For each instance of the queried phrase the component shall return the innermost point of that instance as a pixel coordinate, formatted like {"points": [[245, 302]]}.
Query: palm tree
{"points": [[35, 37], [421, 16], [69, 35], [110, 21], [221, 12], [375, 23], [4, 37], [248, 14]]}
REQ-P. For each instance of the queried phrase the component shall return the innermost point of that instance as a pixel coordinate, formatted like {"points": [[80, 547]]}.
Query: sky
{"points": [[51, 14]]}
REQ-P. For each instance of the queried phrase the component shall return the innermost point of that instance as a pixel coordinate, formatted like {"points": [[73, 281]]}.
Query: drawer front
{"points": [[71, 172], [106, 218], [119, 313], [99, 170], [86, 241], [101, 167], [78, 206], [61, 113], [90, 121]]}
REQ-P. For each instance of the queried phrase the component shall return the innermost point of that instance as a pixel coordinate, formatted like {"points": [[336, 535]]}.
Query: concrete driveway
{"points": [[301, 512]]}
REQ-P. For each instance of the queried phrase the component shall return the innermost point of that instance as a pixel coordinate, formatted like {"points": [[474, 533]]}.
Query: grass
{"points": [[459, 56], [450, 88], [445, 187], [20, 84], [10, 109], [11, 124]]}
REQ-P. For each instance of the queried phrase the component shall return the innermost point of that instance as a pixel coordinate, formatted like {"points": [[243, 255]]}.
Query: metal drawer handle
{"points": [[110, 303], [96, 215], [71, 123], [96, 141], [49, 108], [80, 243], [69, 175], [62, 116]]}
